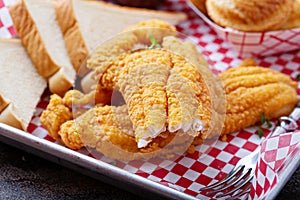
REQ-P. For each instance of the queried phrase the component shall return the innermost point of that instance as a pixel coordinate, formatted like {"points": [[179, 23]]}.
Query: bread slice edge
{"points": [[31, 39]]}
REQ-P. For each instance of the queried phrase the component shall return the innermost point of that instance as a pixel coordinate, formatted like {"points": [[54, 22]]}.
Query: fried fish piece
{"points": [[110, 131], [106, 59], [127, 41], [185, 87], [213, 108], [251, 91], [69, 135], [142, 82], [55, 115], [294, 19], [251, 15], [150, 78]]}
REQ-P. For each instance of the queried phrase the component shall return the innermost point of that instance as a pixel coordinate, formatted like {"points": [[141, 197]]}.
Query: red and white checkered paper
{"points": [[274, 153], [6, 24], [187, 173]]}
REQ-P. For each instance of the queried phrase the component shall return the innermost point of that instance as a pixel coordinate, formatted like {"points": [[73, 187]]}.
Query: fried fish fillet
{"points": [[251, 91], [108, 55], [294, 19], [162, 90], [55, 115], [251, 15], [142, 82], [109, 130]]}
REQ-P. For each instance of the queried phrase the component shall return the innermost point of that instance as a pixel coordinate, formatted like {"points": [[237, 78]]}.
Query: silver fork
{"points": [[237, 182]]}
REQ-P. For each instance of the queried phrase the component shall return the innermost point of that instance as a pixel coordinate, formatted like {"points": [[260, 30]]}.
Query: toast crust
{"points": [[31, 39], [35, 46], [3, 103], [8, 117], [59, 83], [74, 40]]}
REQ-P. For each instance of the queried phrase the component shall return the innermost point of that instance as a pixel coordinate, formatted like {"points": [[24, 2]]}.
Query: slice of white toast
{"points": [[36, 25], [20, 84]]}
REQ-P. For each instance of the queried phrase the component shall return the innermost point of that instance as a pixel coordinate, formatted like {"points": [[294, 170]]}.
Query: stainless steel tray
{"points": [[110, 173], [85, 164]]}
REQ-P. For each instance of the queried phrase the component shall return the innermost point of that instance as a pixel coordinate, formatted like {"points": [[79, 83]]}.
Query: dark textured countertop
{"points": [[25, 176]]}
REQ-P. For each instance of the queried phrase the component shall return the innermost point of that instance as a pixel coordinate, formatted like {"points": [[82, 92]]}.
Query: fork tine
{"points": [[249, 178], [232, 182], [243, 192], [231, 174]]}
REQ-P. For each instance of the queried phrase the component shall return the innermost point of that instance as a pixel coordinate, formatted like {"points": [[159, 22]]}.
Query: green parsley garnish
{"points": [[154, 43], [269, 123], [298, 77], [259, 131], [263, 120]]}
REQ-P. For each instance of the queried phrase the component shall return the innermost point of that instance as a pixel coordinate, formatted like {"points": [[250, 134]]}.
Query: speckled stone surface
{"points": [[25, 176]]}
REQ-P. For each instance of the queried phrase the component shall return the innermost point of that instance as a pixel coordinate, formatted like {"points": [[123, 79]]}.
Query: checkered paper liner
{"points": [[187, 173], [274, 153], [256, 44]]}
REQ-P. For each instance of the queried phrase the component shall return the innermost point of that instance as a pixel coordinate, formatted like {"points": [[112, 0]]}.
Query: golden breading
{"points": [[102, 57], [107, 58], [251, 91], [294, 19], [188, 50], [251, 15], [213, 99], [105, 121], [248, 62], [155, 28], [75, 97], [55, 115], [183, 92], [142, 82], [161, 76], [200, 4], [70, 136], [126, 41], [109, 130]]}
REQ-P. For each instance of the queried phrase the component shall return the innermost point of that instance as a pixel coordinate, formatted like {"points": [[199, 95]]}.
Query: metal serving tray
{"points": [[110, 173]]}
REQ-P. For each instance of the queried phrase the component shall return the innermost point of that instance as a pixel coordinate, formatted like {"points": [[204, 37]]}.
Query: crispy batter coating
{"points": [[173, 101], [212, 102], [126, 41], [106, 61], [172, 90], [55, 115], [187, 50], [109, 130], [250, 91], [248, 62], [108, 51], [70, 136], [183, 91], [156, 28], [107, 123], [250, 16], [294, 18], [142, 82], [75, 97], [250, 77]]}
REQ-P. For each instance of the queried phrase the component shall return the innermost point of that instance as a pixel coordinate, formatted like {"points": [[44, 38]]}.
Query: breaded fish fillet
{"points": [[251, 91]]}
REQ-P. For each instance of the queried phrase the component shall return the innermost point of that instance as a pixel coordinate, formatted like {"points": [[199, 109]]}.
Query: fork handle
{"points": [[287, 124]]}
